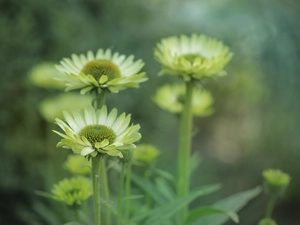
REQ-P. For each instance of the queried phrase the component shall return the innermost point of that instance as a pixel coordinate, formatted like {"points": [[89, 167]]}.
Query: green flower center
{"points": [[99, 67], [191, 57], [98, 133]]}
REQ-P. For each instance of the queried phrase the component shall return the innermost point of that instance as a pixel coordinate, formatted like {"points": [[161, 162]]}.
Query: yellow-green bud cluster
{"points": [[145, 153], [78, 165], [267, 221], [73, 191], [276, 181]]}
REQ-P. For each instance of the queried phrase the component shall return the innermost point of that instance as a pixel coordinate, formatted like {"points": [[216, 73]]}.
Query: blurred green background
{"points": [[256, 124]]}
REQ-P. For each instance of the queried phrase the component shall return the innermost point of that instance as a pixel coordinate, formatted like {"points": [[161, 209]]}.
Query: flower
{"points": [[78, 165], [73, 191], [53, 107], [90, 132], [171, 98], [103, 70], [194, 57], [267, 221], [42, 75], [276, 181], [145, 153]]}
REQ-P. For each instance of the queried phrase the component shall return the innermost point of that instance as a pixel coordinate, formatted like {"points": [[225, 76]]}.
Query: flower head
{"points": [[91, 132], [171, 98], [42, 75], [276, 181], [72, 192], [267, 221], [78, 165], [53, 107], [103, 70], [145, 153], [194, 57]]}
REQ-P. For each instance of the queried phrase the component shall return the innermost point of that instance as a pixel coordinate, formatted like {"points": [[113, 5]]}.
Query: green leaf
{"points": [[73, 223], [165, 174], [203, 211], [168, 210], [165, 188], [133, 197], [232, 203], [149, 188]]}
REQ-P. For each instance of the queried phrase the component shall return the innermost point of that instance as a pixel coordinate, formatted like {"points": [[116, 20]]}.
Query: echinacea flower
{"points": [[145, 153], [42, 75], [103, 70], [171, 98], [194, 57], [78, 165], [90, 132], [73, 191], [276, 181], [51, 108]]}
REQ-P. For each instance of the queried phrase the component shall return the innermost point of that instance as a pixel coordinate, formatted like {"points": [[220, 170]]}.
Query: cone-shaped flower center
{"points": [[191, 57], [98, 133], [99, 67]]}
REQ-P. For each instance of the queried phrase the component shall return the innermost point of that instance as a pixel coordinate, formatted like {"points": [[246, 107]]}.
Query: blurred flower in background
{"points": [[43, 75], [145, 153], [171, 97], [53, 107], [78, 165]]}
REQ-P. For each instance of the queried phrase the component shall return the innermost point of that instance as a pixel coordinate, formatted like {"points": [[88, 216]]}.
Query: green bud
{"points": [[276, 181], [145, 153], [267, 221]]}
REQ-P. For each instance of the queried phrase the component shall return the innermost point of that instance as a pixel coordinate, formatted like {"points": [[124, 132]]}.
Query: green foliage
{"points": [[231, 205]]}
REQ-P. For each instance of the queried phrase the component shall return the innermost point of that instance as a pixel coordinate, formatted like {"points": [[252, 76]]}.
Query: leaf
{"points": [[133, 197], [194, 162], [165, 174], [165, 189], [149, 188], [73, 223], [203, 211], [168, 210], [43, 194], [232, 203]]}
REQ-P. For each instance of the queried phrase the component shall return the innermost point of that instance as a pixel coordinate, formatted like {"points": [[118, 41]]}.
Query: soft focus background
{"points": [[256, 124]]}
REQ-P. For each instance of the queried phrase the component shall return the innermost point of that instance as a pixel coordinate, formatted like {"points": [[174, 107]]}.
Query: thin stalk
{"points": [[96, 188], [147, 196], [127, 191], [99, 101], [104, 188], [270, 206], [77, 215], [184, 151], [120, 197]]}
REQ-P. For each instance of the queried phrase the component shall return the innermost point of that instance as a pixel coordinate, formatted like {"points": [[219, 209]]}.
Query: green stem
{"points": [[77, 214], [127, 191], [147, 196], [99, 101], [270, 206], [104, 188], [96, 188], [185, 137], [119, 212]]}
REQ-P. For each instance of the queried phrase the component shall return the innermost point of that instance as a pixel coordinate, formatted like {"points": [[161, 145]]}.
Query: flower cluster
{"points": [[276, 181]]}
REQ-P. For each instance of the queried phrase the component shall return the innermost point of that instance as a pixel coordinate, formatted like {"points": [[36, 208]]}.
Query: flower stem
{"points": [[119, 212], [99, 101], [96, 188], [104, 188], [270, 206], [185, 148], [127, 191]]}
